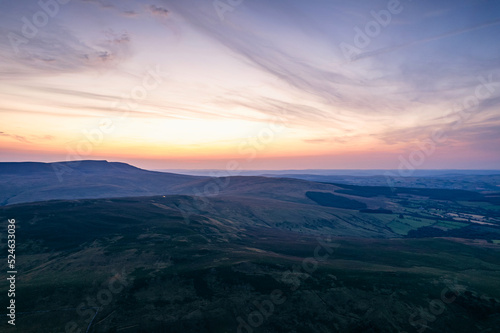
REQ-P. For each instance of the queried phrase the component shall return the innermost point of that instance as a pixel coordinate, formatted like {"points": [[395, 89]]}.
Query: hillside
{"points": [[138, 265], [120, 249], [29, 181], [289, 204]]}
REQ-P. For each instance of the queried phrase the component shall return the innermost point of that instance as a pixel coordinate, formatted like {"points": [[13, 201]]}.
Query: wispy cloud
{"points": [[100, 3], [130, 13], [107, 5], [425, 40], [466, 125], [57, 50], [265, 59], [19, 138], [263, 53], [159, 11]]}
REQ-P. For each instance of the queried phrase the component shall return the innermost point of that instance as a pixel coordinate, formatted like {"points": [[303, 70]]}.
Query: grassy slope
{"points": [[199, 275], [29, 182]]}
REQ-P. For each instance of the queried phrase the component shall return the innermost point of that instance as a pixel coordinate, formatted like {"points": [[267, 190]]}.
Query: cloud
{"points": [[258, 49], [104, 5], [425, 40], [159, 11], [75, 93], [374, 98], [15, 137], [329, 140], [57, 50], [293, 113], [108, 6], [369, 87], [130, 13], [466, 125], [100, 3]]}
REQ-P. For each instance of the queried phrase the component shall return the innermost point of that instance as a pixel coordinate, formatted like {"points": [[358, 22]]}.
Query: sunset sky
{"points": [[282, 84]]}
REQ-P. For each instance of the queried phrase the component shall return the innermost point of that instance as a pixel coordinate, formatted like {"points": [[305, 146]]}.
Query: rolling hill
{"points": [[138, 265], [30, 181], [107, 247]]}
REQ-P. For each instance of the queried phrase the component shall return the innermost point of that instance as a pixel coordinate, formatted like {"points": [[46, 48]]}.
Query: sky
{"points": [[252, 84]]}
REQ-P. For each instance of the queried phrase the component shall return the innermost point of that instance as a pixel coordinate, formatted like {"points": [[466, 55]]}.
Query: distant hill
{"points": [[336, 172], [29, 182], [33, 181], [470, 180]]}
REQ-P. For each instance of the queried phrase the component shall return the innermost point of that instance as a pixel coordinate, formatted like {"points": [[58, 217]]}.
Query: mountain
{"points": [[30, 181]]}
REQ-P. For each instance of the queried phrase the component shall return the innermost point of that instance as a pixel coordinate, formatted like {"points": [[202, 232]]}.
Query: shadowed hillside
{"points": [[204, 254], [27, 182], [138, 265]]}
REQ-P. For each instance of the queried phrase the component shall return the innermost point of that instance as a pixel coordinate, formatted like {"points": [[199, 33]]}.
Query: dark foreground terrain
{"points": [[245, 254], [143, 265]]}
